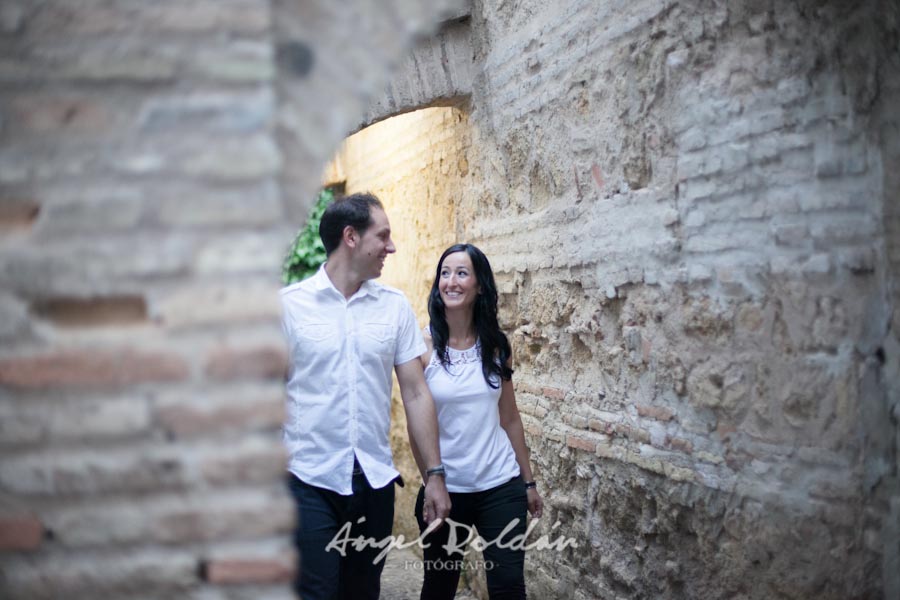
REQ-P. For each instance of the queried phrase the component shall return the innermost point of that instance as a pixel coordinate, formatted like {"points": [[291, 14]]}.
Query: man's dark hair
{"points": [[354, 210]]}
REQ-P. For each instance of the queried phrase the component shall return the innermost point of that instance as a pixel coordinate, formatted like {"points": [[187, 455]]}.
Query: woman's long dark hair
{"points": [[495, 349]]}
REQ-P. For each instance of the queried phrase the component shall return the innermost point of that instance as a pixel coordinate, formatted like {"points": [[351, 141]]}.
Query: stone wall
{"points": [[691, 210], [685, 204]]}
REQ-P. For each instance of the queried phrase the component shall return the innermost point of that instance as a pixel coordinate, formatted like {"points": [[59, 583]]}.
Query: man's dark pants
{"points": [[321, 513]]}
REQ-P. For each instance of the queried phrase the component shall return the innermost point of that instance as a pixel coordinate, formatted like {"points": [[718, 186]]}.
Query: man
{"points": [[346, 334]]}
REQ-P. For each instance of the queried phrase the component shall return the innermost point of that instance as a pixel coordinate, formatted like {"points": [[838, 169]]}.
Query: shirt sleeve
{"points": [[287, 330], [410, 344]]}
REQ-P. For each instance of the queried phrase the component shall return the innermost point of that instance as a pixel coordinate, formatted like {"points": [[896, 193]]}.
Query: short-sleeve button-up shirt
{"points": [[342, 352]]}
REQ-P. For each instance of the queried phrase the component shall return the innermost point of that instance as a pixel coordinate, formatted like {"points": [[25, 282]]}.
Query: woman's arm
{"points": [[511, 422]]}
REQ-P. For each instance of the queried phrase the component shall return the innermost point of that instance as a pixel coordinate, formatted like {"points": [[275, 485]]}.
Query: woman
{"points": [[482, 440]]}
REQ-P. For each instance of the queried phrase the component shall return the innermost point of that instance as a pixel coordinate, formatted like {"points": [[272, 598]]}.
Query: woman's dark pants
{"points": [[490, 512]]}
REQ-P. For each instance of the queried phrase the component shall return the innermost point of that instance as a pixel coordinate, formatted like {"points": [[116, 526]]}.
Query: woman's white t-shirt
{"points": [[475, 450]]}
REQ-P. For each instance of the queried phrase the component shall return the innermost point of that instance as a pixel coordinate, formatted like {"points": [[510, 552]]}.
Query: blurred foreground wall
{"points": [[156, 159]]}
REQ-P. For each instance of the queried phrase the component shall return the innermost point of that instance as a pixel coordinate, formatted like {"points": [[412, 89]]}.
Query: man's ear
{"points": [[350, 236]]}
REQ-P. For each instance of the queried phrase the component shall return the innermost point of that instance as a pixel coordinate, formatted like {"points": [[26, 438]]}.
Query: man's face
{"points": [[374, 245]]}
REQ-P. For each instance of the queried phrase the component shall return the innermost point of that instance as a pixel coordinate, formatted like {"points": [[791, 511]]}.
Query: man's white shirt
{"points": [[342, 353]]}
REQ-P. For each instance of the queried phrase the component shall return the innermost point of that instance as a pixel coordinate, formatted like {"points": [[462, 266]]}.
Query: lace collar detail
{"points": [[460, 357]]}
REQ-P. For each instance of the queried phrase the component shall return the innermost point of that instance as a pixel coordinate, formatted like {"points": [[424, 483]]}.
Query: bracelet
{"points": [[438, 470], [531, 485]]}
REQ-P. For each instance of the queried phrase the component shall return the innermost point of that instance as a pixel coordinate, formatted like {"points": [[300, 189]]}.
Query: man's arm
{"points": [[421, 422]]}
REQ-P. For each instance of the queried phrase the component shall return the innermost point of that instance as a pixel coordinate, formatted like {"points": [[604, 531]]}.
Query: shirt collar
{"points": [[323, 282]]}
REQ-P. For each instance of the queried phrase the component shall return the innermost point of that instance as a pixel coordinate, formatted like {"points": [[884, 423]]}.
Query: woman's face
{"points": [[457, 284]]}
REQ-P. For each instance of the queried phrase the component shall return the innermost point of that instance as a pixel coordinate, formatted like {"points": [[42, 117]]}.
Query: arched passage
{"points": [[417, 164]]}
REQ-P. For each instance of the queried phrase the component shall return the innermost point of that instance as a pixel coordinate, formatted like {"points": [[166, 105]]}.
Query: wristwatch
{"points": [[438, 470]]}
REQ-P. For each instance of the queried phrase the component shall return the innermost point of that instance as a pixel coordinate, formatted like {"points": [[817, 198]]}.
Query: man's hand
{"points": [[437, 500], [535, 503]]}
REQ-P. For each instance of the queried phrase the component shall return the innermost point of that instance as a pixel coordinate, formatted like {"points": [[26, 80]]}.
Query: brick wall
{"points": [[152, 167]]}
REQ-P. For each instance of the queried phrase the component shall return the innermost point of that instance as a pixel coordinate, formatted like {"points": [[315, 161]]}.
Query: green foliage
{"points": [[307, 252]]}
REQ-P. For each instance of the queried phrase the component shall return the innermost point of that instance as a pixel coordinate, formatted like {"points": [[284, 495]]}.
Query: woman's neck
{"points": [[461, 327]]}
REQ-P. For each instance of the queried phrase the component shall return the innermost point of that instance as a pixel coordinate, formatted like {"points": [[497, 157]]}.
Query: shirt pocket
{"points": [[379, 337], [314, 332]]}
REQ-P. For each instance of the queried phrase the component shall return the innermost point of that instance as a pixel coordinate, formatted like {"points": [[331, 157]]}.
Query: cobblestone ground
{"points": [[402, 577]]}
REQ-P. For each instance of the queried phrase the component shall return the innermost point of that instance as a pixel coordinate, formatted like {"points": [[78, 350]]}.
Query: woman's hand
{"points": [[535, 503]]}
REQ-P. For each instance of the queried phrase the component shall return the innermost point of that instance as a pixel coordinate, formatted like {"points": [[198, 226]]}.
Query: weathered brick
{"points": [[253, 408], [227, 159], [130, 469], [525, 388], [18, 214], [791, 234], [660, 413], [219, 302], [89, 208], [97, 17], [139, 59], [264, 362], [248, 463], [14, 318], [577, 421], [112, 573], [601, 426], [12, 17], [90, 419], [553, 393], [632, 433], [110, 61], [581, 443], [232, 111], [241, 254], [533, 428], [676, 473], [248, 570], [87, 264], [843, 231], [710, 458], [91, 368], [649, 463], [680, 444], [555, 433], [817, 264], [161, 518], [20, 532], [239, 61], [77, 114], [692, 139], [92, 312]]}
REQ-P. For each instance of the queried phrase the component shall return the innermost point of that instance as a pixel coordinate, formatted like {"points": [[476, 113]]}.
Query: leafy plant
{"points": [[307, 252]]}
